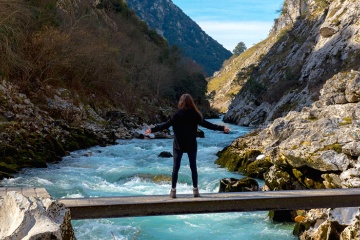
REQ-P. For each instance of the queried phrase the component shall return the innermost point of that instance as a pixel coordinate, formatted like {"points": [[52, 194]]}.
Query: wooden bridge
{"points": [[115, 207]]}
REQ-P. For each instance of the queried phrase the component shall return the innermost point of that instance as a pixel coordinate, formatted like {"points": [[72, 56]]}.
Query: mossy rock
{"points": [[5, 175], [9, 168], [301, 227], [282, 215], [70, 144], [229, 159], [238, 185], [235, 160], [55, 145], [278, 179], [308, 177], [298, 174], [80, 139], [161, 178], [158, 178], [31, 149], [257, 168], [8, 150]]}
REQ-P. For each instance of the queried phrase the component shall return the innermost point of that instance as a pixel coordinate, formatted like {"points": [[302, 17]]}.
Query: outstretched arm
{"points": [[212, 126], [159, 127]]}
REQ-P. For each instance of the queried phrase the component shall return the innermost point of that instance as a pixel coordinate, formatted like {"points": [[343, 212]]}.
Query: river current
{"points": [[132, 167]]}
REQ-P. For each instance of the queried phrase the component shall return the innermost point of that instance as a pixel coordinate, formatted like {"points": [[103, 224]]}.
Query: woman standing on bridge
{"points": [[185, 123]]}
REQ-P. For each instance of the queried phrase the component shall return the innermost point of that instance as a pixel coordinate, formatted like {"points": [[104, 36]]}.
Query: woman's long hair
{"points": [[187, 102]]}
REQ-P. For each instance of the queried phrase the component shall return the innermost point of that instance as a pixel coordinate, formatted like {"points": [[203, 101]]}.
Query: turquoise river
{"points": [[130, 168]]}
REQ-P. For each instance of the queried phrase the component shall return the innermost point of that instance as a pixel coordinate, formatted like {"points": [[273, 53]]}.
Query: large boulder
{"points": [[238, 185], [34, 218]]}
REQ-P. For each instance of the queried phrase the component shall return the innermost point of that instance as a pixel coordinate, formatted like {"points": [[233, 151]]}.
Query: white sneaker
{"points": [[173, 193], [196, 192]]}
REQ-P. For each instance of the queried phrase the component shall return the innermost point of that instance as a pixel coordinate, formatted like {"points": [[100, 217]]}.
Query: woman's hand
{"points": [[148, 131], [226, 129]]}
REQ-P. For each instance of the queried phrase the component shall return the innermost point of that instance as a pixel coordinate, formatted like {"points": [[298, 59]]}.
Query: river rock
{"points": [[282, 215], [34, 218], [238, 185], [165, 155], [139, 134]]}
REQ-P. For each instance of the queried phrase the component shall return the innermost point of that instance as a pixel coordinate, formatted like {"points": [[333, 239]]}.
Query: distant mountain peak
{"points": [[179, 29]]}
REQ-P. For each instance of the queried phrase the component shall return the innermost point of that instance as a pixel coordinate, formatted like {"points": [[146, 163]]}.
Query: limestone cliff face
{"points": [[318, 147], [305, 93], [310, 43]]}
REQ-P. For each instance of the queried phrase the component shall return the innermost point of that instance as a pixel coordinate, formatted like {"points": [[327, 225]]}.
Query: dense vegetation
{"points": [[103, 52]]}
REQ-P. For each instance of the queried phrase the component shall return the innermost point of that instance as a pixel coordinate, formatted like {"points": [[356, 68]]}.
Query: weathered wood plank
{"points": [[114, 207], [2, 191], [42, 193], [28, 192]]}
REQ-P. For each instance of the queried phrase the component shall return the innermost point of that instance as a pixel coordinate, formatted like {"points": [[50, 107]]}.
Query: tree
{"points": [[240, 48]]}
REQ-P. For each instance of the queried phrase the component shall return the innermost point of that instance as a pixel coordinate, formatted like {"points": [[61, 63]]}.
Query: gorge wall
{"points": [[309, 43], [303, 94]]}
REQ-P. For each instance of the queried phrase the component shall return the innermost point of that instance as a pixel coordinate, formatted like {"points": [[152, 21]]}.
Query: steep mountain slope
{"points": [[315, 41], [172, 23]]}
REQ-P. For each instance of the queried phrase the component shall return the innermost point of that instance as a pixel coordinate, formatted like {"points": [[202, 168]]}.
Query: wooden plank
{"points": [[9, 189], [42, 193], [114, 207], [28, 192], [2, 191]]}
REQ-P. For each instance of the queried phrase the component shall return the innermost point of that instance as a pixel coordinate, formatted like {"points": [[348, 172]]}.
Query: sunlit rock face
{"points": [[34, 218], [323, 137], [315, 148], [311, 42], [303, 94]]}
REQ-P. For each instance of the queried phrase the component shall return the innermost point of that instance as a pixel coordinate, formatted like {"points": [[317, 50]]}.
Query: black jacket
{"points": [[185, 124]]}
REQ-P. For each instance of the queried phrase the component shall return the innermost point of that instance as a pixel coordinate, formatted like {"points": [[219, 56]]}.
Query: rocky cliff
{"points": [[179, 29], [317, 147], [306, 93], [309, 43]]}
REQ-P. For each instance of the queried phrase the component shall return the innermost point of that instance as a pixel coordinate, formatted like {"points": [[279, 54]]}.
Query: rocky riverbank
{"points": [[318, 147], [36, 131]]}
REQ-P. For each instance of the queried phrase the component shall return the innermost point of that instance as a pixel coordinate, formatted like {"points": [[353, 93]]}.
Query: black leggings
{"points": [[177, 161]]}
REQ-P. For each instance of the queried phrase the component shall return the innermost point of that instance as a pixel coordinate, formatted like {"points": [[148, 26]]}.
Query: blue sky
{"points": [[232, 21]]}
